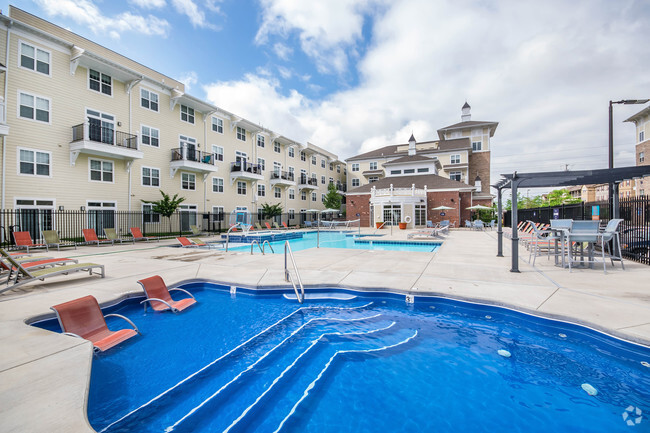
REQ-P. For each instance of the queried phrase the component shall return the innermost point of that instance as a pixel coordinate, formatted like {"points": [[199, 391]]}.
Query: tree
{"points": [[332, 198], [559, 197], [271, 210], [166, 206]]}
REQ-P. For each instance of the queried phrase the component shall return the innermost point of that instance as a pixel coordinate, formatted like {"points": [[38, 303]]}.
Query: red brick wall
{"points": [[479, 163], [358, 204]]}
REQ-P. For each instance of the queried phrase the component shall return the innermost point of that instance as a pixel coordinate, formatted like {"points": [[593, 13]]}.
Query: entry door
{"points": [[189, 144], [188, 216], [101, 126], [34, 216], [101, 215]]}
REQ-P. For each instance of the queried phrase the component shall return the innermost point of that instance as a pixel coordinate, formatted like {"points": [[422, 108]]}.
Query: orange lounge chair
{"points": [[82, 318], [34, 264], [24, 240], [90, 236], [287, 227], [158, 296], [138, 236], [268, 226], [186, 243]]}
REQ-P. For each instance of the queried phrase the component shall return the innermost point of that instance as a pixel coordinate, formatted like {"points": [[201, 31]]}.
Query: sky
{"points": [[355, 75]]}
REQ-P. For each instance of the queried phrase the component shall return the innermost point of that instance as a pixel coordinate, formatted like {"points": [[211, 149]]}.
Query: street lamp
{"points": [[611, 147]]}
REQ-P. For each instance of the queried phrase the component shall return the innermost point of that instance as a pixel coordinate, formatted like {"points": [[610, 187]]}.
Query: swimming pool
{"points": [[258, 362], [330, 239]]}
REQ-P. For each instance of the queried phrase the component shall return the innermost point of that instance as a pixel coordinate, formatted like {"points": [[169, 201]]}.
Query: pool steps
{"points": [[314, 296]]}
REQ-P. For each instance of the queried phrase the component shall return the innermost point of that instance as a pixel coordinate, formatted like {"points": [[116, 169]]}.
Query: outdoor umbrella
{"points": [[443, 208], [479, 207]]}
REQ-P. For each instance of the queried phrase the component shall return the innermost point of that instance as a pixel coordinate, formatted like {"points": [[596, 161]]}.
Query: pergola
{"points": [[555, 179]]}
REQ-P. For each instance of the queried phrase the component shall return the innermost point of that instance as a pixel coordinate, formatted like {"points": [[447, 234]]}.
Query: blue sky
{"points": [[354, 75]]}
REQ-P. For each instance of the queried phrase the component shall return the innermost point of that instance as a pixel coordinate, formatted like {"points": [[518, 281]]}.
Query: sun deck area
{"points": [[44, 377]]}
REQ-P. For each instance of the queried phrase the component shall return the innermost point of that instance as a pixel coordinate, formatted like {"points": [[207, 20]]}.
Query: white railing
{"points": [[401, 192]]}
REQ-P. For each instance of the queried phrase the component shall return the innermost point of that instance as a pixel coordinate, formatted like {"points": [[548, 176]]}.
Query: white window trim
{"points": [[180, 114], [152, 212], [237, 133], [148, 89], [355, 166], [36, 47], [223, 185], [142, 177], [223, 124], [181, 179], [40, 122], [222, 153], [100, 181], [358, 182], [141, 134], [100, 84], [18, 149], [291, 192], [245, 188]]}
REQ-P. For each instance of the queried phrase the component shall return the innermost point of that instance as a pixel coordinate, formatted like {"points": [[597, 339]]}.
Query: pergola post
{"points": [[499, 224], [515, 233]]}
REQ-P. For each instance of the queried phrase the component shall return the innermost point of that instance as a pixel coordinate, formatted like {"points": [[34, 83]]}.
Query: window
{"points": [[100, 82], [322, 180], [322, 163], [260, 140], [331, 167], [291, 152], [455, 159], [313, 160], [148, 215], [641, 156], [277, 168], [303, 195], [218, 153], [322, 198], [241, 187], [34, 58], [423, 170], [372, 179], [188, 181], [276, 147], [100, 170], [261, 163], [303, 157], [313, 196], [33, 162], [641, 136], [455, 175], [149, 99], [217, 213], [241, 134], [331, 180], [217, 184], [101, 126], [217, 125], [355, 166], [261, 190], [292, 194], [150, 176], [277, 192], [240, 156], [150, 136], [476, 145], [187, 114], [338, 168], [292, 214], [34, 107], [313, 177], [396, 172], [373, 166], [355, 182], [409, 170]]}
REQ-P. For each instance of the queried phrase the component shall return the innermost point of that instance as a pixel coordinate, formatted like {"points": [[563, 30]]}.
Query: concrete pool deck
{"points": [[44, 376]]}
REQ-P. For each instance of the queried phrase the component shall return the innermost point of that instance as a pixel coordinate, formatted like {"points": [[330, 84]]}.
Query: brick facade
{"points": [[358, 204], [479, 163]]}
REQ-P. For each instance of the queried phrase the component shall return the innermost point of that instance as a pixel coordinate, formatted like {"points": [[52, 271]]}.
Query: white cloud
{"points": [[283, 51], [285, 72], [546, 73], [189, 79], [85, 12], [149, 4], [192, 11]]}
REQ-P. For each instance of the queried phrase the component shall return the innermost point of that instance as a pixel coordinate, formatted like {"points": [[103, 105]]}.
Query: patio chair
{"points": [[258, 226], [30, 262], [492, 224], [138, 236], [277, 227], [51, 238], [582, 232], [24, 240], [91, 237], [610, 239], [190, 243], [468, 224], [268, 226], [112, 236], [287, 227], [308, 224], [24, 275], [159, 298], [478, 225], [542, 240], [83, 318], [430, 224], [430, 233], [195, 230]]}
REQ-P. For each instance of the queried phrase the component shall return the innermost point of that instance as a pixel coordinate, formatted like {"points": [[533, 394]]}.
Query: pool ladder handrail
{"points": [[266, 242], [234, 227], [287, 275]]}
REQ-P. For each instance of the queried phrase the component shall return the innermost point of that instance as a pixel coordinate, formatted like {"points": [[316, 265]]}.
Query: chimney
{"points": [[411, 145], [465, 115]]}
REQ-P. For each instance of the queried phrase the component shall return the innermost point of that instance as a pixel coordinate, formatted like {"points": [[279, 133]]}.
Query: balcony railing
{"points": [[285, 175], [402, 192], [3, 113], [185, 154], [341, 187], [304, 180], [103, 134], [243, 166]]}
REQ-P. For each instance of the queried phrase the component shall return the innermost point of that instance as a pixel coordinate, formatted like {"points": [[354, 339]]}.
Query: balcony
{"points": [[282, 178], [189, 159], [103, 141], [341, 187], [243, 170], [306, 182], [4, 128]]}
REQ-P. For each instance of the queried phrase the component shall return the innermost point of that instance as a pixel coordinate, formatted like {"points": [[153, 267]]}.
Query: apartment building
{"points": [[85, 128], [641, 122], [408, 181]]}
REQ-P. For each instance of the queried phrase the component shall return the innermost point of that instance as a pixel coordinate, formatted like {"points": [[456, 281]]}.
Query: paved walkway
{"points": [[44, 377]]}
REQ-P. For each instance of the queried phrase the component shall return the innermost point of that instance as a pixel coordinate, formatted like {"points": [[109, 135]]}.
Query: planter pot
{"points": [[378, 224], [402, 226]]}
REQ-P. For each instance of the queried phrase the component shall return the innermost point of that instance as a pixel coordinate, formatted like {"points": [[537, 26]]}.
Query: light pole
{"points": [[612, 208]]}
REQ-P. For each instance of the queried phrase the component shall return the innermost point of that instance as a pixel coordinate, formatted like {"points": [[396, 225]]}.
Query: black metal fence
{"points": [[634, 230], [69, 224]]}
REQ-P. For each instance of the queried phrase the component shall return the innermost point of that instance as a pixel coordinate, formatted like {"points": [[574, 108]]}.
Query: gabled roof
{"points": [[391, 151], [410, 158], [638, 116], [432, 181], [468, 124]]}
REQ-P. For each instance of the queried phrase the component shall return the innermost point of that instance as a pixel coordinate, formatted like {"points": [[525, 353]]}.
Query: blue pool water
{"points": [[330, 239], [251, 362]]}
